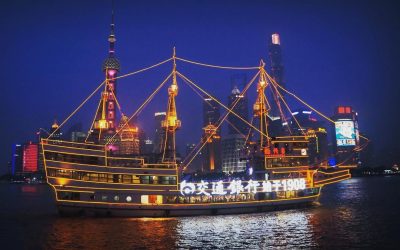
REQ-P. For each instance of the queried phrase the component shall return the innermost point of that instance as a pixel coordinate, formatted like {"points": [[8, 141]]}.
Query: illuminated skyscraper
{"points": [[75, 133], [129, 137], [234, 144], [105, 120], [159, 136], [277, 71], [211, 152], [236, 125], [233, 153], [30, 157], [16, 159]]}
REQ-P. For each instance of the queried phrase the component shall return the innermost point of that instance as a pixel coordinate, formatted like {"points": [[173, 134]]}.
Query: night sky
{"points": [[334, 53]]}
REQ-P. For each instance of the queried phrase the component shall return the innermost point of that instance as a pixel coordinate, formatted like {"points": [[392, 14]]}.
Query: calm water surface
{"points": [[357, 213]]}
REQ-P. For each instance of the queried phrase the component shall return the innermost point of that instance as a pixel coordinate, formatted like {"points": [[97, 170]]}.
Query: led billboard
{"points": [[345, 133]]}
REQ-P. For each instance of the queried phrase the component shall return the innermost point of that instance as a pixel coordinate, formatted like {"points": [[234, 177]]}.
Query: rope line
{"points": [[142, 106], [90, 96], [220, 103], [308, 105], [221, 120], [142, 70], [216, 66], [76, 110]]}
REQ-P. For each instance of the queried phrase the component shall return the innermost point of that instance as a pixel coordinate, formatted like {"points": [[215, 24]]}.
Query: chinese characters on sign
{"points": [[238, 187]]}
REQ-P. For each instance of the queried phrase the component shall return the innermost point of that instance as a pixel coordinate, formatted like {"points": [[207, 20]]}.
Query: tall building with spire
{"points": [[277, 72], [55, 131], [105, 120]]}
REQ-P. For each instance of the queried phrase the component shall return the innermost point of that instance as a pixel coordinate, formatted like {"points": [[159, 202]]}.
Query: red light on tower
{"points": [[341, 110]]}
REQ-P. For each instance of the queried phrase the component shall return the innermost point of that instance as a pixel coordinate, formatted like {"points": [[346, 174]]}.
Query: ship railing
{"points": [[160, 165], [68, 152], [73, 144], [322, 178]]}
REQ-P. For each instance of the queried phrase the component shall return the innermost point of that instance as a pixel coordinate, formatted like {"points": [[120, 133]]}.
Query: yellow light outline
{"points": [[103, 166], [92, 171], [190, 204], [288, 141], [115, 189], [102, 156], [328, 183], [286, 156], [77, 148], [71, 142], [112, 183], [332, 178], [341, 171]]}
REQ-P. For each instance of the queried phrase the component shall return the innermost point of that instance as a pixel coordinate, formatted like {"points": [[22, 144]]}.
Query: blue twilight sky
{"points": [[334, 52]]}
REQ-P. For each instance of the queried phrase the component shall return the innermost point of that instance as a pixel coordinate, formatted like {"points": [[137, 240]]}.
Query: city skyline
{"points": [[79, 48]]}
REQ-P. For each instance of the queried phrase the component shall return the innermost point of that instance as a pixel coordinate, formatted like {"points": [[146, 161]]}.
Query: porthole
{"points": [[128, 198]]}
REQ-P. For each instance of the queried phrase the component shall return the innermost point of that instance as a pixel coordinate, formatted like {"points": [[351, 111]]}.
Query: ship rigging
{"points": [[103, 132]]}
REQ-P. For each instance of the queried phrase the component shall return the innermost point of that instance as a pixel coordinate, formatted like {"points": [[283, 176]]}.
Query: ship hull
{"points": [[87, 180], [71, 209]]}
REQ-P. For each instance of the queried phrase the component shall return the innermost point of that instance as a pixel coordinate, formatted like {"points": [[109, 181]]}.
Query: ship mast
{"points": [[261, 108], [171, 122]]}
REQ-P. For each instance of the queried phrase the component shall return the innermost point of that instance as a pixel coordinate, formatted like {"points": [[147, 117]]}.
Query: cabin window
{"points": [[145, 179], [126, 178], [62, 195], [151, 199]]}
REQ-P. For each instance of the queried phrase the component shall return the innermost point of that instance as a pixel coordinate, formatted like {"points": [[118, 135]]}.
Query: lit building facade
{"points": [[129, 137], [197, 163], [233, 145], [75, 133], [30, 157], [55, 132], [147, 146], [346, 136], [233, 154], [78, 136], [317, 135]]}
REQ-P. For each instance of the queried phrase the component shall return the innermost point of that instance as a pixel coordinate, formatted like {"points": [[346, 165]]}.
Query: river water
{"points": [[357, 213]]}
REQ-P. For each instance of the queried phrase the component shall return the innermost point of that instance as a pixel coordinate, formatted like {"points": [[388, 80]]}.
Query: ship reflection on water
{"points": [[355, 213], [285, 228]]}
